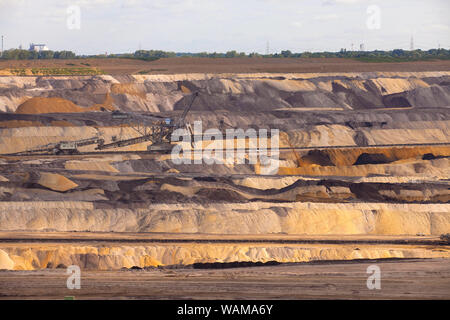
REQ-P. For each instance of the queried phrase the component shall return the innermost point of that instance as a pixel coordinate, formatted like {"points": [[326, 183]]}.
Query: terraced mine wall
{"points": [[232, 92], [231, 218], [383, 172], [116, 257]]}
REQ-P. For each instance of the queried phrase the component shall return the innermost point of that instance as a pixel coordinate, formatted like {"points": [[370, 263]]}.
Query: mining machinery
{"points": [[153, 129], [64, 147]]}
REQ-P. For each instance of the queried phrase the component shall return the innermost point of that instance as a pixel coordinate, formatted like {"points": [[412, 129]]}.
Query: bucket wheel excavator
{"points": [[153, 129]]}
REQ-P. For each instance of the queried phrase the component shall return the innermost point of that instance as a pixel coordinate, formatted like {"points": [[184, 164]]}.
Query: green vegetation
{"points": [[56, 71], [146, 55], [66, 71], [229, 54], [18, 72], [150, 71], [153, 54], [19, 54], [397, 55]]}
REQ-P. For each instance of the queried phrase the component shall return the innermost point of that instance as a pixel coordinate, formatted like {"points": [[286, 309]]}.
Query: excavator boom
{"points": [[186, 110]]}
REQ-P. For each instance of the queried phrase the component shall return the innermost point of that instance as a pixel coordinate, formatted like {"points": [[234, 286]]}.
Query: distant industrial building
{"points": [[38, 47]]}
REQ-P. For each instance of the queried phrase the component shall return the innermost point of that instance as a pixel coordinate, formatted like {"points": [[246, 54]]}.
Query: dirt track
{"points": [[409, 279], [233, 65], [90, 237]]}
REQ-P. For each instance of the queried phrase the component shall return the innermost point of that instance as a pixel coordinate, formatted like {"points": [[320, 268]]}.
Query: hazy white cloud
{"points": [[334, 2], [221, 25], [442, 27], [93, 3], [329, 16], [348, 1]]}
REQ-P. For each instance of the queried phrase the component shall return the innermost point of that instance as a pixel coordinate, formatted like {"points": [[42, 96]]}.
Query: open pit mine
{"points": [[87, 179]]}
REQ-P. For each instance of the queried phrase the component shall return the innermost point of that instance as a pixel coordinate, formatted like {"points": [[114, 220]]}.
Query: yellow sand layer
{"points": [[115, 257], [56, 182], [301, 218], [38, 105]]}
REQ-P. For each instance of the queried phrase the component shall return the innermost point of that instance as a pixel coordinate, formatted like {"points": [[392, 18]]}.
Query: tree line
{"points": [[150, 55], [393, 55], [20, 54]]}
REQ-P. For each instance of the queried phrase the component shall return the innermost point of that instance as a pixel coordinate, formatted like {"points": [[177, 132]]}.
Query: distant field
{"points": [[214, 65]]}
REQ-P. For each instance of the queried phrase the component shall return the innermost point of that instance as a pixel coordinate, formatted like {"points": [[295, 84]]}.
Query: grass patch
{"points": [[66, 71], [18, 72], [55, 71], [151, 70]]}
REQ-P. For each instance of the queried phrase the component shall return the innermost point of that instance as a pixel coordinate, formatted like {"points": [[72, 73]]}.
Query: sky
{"points": [[120, 26]]}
